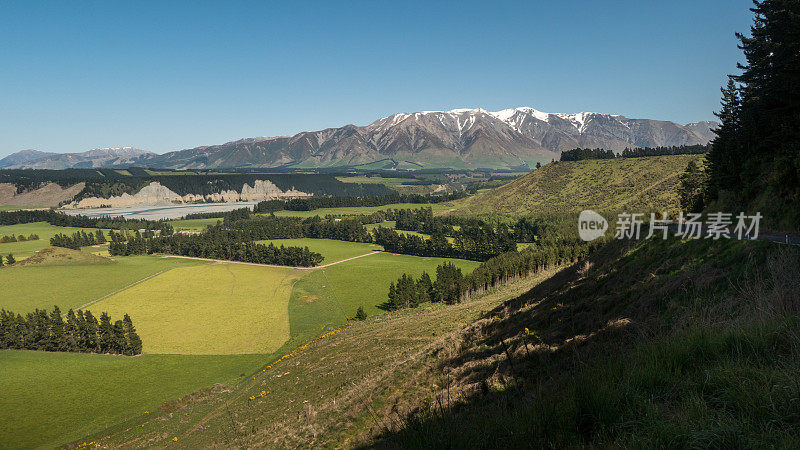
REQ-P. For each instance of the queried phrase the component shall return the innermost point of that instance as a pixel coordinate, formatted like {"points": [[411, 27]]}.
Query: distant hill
{"points": [[100, 157], [22, 157], [455, 139], [632, 184]]}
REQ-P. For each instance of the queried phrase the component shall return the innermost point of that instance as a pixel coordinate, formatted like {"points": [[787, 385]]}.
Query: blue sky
{"points": [[165, 76]]}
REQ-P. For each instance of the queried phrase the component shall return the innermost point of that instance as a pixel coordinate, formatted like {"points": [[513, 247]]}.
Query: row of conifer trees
{"points": [[81, 332], [451, 286]]}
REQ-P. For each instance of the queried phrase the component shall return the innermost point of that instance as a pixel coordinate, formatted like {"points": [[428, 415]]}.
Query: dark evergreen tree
{"points": [[691, 189], [133, 344], [118, 342], [72, 332], [449, 283], [92, 327], [57, 341], [755, 154], [105, 334]]}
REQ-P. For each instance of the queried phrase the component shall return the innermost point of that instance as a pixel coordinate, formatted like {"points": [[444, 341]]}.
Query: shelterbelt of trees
{"points": [[78, 239], [472, 238], [310, 204], [451, 286], [64, 220], [223, 244], [81, 332], [579, 154]]}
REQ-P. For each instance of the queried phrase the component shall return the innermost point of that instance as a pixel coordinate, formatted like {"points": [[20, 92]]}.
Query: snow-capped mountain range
{"points": [[459, 138]]}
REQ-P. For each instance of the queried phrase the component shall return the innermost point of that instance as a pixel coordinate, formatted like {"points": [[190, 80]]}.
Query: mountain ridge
{"points": [[458, 138]]}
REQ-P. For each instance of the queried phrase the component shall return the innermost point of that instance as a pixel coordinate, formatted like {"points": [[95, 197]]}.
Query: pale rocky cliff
{"points": [[157, 194]]}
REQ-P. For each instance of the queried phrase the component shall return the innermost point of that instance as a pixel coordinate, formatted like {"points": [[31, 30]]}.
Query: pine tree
{"points": [[133, 344], [105, 334], [361, 314], [91, 326], [723, 162], [449, 283], [690, 190], [72, 332], [57, 339], [10, 259], [759, 137], [425, 288], [118, 338]]}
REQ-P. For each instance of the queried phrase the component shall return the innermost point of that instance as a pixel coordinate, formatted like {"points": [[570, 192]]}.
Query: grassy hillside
{"points": [[656, 344], [631, 184]]}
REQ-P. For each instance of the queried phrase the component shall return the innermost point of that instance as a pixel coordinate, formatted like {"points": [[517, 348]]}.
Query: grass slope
{"points": [[632, 184], [213, 309], [638, 347], [655, 345], [59, 256], [50, 399], [25, 288]]}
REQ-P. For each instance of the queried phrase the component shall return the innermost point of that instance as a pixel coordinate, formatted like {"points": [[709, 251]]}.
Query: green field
{"points": [[365, 281], [72, 285], [27, 248], [213, 309], [53, 398], [331, 249]]}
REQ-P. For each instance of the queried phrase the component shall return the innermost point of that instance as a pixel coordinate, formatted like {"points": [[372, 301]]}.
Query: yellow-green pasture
{"points": [[25, 288], [213, 309]]}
